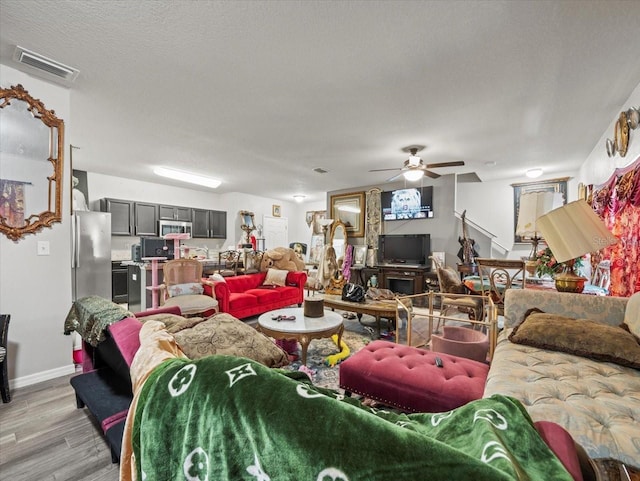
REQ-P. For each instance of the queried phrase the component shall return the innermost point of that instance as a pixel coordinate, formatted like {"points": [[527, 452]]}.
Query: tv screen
{"points": [[404, 249], [403, 204]]}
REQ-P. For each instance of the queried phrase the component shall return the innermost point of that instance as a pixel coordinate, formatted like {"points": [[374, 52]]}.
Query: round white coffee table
{"points": [[303, 329]]}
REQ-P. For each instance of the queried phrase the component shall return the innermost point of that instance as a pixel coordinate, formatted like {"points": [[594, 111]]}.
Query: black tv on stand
{"points": [[410, 250]]}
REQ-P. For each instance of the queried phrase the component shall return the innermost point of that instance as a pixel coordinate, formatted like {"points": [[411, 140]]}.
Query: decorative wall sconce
{"points": [[628, 120]]}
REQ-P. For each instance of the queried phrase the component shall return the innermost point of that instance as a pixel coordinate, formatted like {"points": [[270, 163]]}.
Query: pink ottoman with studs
{"points": [[407, 377]]}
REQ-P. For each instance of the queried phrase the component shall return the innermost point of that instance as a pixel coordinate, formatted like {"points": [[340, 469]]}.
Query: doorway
{"points": [[275, 231]]}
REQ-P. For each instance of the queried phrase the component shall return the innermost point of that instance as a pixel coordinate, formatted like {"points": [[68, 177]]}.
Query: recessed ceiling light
{"points": [[187, 177], [533, 173], [299, 197]]}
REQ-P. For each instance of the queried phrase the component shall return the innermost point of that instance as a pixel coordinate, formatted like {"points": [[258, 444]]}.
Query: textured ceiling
{"points": [[258, 94]]}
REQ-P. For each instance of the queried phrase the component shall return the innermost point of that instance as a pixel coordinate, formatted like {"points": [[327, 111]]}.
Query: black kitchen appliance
{"points": [[156, 247]]}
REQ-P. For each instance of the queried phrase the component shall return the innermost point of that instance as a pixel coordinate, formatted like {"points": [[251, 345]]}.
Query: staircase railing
{"points": [[497, 249]]}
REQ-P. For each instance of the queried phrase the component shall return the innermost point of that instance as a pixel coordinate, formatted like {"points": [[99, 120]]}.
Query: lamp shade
{"points": [[532, 206], [573, 230]]}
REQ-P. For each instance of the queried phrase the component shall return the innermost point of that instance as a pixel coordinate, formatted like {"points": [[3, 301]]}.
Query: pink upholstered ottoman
{"points": [[408, 378]]}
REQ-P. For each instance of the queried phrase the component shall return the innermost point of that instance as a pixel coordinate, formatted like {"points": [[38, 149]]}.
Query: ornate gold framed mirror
{"points": [[247, 223], [338, 240], [31, 164]]}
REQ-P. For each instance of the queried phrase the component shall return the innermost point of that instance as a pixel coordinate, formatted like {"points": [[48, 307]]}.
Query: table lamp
{"points": [[572, 231], [532, 206]]}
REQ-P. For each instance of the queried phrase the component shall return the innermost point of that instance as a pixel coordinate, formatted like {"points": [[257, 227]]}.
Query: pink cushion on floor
{"points": [[407, 377]]}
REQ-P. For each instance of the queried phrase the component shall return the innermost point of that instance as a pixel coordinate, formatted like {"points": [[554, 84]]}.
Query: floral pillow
{"points": [[189, 288]]}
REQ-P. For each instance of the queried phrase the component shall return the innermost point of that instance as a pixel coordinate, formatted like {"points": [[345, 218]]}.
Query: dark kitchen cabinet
{"points": [[119, 289], [172, 212], [218, 224], [210, 224], [146, 219], [122, 215]]}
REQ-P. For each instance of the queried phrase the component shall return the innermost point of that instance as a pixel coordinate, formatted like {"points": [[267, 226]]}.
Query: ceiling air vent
{"points": [[320, 170], [44, 64]]}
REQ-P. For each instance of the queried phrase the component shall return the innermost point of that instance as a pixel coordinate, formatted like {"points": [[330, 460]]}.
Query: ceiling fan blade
{"points": [[384, 170], [394, 177], [457, 163], [433, 175]]}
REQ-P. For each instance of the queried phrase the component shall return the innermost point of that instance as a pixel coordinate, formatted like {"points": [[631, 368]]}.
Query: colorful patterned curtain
{"points": [[617, 202]]}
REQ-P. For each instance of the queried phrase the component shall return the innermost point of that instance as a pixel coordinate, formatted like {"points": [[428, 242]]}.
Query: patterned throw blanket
{"points": [[229, 418], [89, 316]]}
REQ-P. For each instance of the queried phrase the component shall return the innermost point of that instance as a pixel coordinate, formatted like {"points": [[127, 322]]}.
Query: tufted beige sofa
{"points": [[597, 402]]}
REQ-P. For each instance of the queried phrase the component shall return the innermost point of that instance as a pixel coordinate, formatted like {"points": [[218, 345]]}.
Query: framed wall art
{"points": [[349, 208], [359, 256], [275, 210], [552, 185]]}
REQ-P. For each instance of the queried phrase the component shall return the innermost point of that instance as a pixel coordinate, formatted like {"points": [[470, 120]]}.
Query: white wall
{"points": [[36, 290], [490, 205], [598, 167]]}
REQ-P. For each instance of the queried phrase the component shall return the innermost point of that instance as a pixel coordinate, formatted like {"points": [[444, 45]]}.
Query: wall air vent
{"points": [[44, 64]]}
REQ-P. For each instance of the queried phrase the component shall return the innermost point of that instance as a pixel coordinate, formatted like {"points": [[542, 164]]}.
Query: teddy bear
{"points": [[283, 258]]}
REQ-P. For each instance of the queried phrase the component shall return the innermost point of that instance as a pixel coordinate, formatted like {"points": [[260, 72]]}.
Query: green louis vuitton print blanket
{"points": [[229, 418]]}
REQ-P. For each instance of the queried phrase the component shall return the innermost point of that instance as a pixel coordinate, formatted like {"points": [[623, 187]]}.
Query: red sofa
{"points": [[244, 296]]}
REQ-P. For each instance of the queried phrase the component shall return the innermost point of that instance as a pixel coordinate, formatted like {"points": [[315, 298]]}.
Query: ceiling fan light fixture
{"points": [[187, 177], [413, 175]]}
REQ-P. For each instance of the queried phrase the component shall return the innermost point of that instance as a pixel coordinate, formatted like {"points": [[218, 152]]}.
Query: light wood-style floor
{"points": [[44, 437]]}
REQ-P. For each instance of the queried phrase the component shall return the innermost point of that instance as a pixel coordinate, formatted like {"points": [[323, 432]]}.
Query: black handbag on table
{"points": [[353, 293]]}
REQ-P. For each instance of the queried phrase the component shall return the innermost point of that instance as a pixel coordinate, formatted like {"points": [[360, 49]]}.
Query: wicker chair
{"points": [[183, 287]]}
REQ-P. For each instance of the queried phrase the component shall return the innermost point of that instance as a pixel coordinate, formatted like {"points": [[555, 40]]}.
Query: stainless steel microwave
{"points": [[173, 227]]}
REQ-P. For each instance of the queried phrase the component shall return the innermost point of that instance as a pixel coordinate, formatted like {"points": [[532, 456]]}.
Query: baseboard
{"points": [[41, 376]]}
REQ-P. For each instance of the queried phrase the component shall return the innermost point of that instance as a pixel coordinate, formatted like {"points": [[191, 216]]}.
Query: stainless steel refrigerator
{"points": [[91, 254]]}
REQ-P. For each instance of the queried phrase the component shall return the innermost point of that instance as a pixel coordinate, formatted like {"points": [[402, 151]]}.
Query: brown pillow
{"points": [[581, 337], [223, 334], [450, 282]]}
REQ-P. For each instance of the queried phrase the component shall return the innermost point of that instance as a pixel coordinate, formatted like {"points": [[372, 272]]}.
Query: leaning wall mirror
{"points": [[31, 164], [339, 238]]}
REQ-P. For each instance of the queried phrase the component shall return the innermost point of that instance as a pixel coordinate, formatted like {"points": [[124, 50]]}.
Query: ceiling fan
{"points": [[414, 168]]}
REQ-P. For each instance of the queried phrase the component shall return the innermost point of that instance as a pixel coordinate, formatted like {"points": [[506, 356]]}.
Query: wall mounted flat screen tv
{"points": [[404, 249], [411, 203]]}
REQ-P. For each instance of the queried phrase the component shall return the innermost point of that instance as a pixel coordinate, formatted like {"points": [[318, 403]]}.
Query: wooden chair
{"points": [[183, 287], [250, 262], [498, 275], [228, 262], [459, 296]]}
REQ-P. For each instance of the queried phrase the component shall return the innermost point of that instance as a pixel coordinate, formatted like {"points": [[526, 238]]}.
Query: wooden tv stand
{"points": [[401, 279]]}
